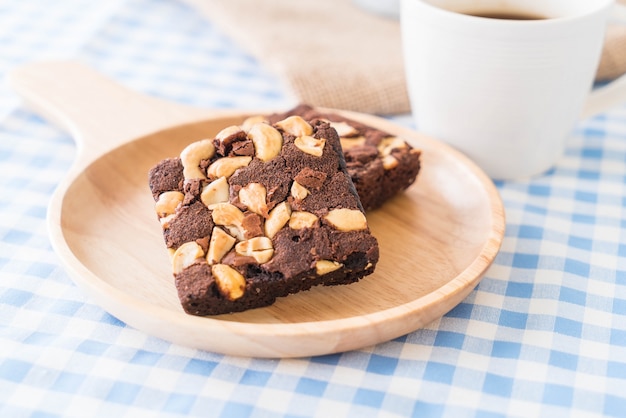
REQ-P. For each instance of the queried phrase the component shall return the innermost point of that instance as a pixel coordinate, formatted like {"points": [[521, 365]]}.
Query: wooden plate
{"points": [[436, 239]]}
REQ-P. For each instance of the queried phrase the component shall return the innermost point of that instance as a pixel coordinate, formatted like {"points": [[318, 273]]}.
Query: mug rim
{"points": [[599, 7]]}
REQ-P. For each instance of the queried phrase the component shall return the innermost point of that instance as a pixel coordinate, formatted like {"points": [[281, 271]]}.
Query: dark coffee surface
{"points": [[506, 15]]}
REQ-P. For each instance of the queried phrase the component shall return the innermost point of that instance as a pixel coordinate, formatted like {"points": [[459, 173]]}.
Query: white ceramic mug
{"points": [[505, 92]]}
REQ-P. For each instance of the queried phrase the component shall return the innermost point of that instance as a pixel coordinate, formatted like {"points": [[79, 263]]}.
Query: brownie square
{"points": [[259, 212], [379, 163]]}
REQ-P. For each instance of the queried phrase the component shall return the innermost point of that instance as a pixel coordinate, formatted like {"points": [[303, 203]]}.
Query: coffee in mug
{"points": [[506, 15]]}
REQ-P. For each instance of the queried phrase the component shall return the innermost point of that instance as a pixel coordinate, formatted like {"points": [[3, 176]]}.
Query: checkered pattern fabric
{"points": [[543, 335]]}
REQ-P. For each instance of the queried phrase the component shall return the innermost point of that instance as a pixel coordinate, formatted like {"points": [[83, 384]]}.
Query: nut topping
{"points": [[390, 143], [225, 167], [267, 141], [186, 255], [219, 245], [230, 283], [310, 145], [295, 126], [326, 266], [253, 196], [390, 162], [251, 121], [302, 219], [343, 128], [260, 248], [215, 192], [347, 143], [229, 216], [277, 218], [191, 156], [167, 203], [165, 221], [347, 219], [298, 191], [228, 131]]}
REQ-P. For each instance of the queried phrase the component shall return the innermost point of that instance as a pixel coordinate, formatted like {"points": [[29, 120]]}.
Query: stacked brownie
{"points": [[270, 208], [380, 164]]}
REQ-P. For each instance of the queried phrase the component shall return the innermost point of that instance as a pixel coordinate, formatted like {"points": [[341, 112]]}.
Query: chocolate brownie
{"points": [[259, 212], [380, 164]]}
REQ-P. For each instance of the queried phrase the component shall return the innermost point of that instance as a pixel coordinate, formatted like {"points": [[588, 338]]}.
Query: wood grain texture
{"points": [[436, 239]]}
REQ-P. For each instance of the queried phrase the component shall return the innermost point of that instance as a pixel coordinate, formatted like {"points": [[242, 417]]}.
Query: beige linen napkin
{"points": [[613, 60], [332, 53]]}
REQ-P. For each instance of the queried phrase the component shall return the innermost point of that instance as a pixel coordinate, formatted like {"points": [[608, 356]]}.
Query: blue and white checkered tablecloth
{"points": [[544, 334]]}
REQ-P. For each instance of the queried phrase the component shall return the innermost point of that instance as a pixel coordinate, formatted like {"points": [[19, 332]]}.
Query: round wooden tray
{"points": [[436, 239]]}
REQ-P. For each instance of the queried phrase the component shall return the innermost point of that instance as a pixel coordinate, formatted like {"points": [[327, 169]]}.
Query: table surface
{"points": [[543, 334]]}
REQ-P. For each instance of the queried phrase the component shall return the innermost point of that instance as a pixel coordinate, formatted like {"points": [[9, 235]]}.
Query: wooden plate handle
{"points": [[99, 113]]}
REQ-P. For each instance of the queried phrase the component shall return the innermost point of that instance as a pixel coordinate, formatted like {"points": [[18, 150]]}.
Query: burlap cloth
{"points": [[334, 54]]}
